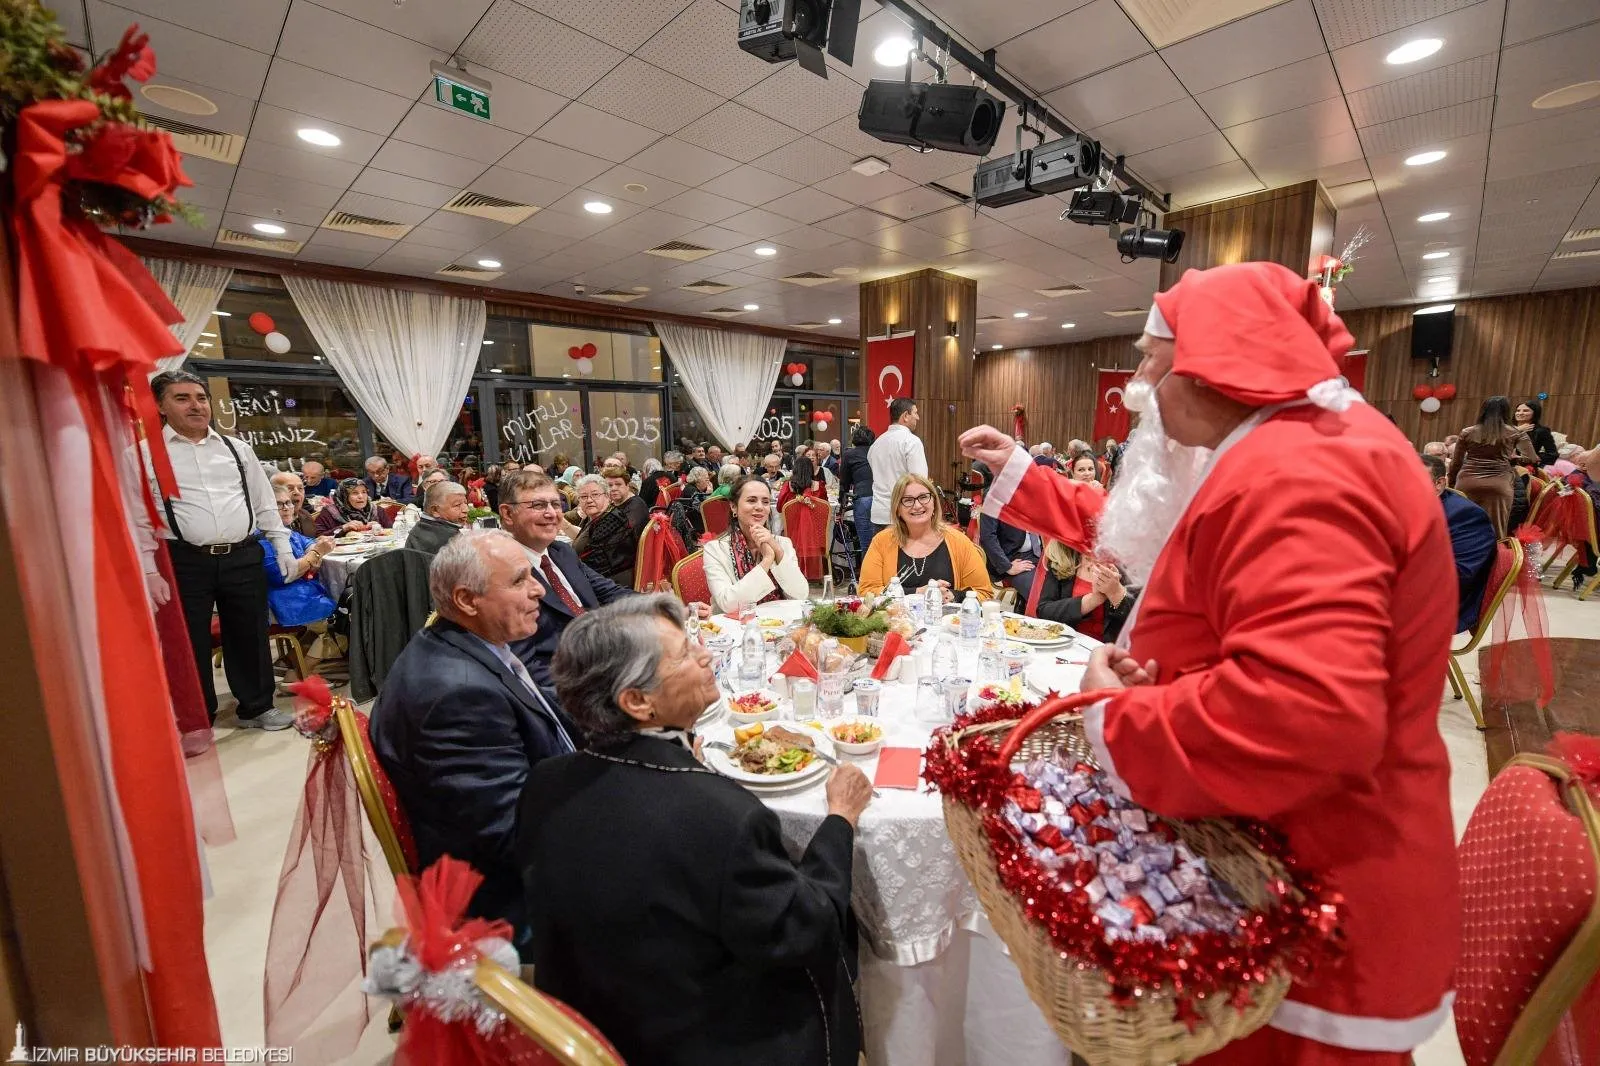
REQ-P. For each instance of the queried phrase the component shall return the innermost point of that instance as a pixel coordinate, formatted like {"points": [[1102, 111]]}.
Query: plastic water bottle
{"points": [[895, 592], [827, 587], [916, 609], [971, 617], [932, 605], [831, 668], [752, 657]]}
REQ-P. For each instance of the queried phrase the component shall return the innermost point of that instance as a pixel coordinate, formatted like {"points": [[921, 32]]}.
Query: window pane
{"points": [[850, 379], [505, 347], [688, 426], [464, 446], [825, 373], [626, 422], [289, 422], [616, 356], [540, 426], [230, 334]]}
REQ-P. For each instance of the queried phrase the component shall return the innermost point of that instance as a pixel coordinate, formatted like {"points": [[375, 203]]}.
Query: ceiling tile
{"points": [[586, 129], [810, 238], [1091, 38], [332, 255], [624, 24], [185, 53], [233, 115], [1568, 139], [539, 50], [914, 242], [198, 195], [1421, 131], [327, 96], [553, 162], [1296, 85], [413, 160], [74, 24], [275, 186], [439, 26], [695, 46], [1527, 19], [521, 188], [749, 186], [757, 222], [451, 242], [379, 207], [1196, 153], [274, 125], [648, 190], [1117, 93], [326, 40], [738, 132], [1429, 90], [1309, 159], [268, 208], [358, 242], [451, 131], [1464, 163], [984, 25], [651, 97], [796, 97], [806, 160], [1213, 183], [404, 188], [1263, 41], [254, 25], [1156, 128], [303, 166], [1469, 32], [1346, 22], [701, 205], [808, 205], [854, 223], [863, 189], [1303, 124], [912, 203], [1530, 70], [845, 134], [684, 163]]}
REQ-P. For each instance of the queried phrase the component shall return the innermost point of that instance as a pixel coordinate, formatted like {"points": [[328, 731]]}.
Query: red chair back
{"points": [[659, 550], [689, 579], [806, 522], [716, 512], [1530, 869]]}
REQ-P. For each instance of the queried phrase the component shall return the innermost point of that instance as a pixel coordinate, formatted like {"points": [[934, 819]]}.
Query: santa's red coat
{"points": [[1300, 615]]}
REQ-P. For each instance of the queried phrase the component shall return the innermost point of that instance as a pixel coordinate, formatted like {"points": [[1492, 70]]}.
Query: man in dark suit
{"points": [[383, 483], [530, 510], [1011, 553], [1472, 542], [460, 723]]}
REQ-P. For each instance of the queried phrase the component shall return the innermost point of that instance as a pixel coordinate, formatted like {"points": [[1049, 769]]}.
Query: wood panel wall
{"points": [[1056, 384], [1287, 225]]}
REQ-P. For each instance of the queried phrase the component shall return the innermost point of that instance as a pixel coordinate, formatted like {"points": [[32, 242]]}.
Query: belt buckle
{"points": [[218, 549]]}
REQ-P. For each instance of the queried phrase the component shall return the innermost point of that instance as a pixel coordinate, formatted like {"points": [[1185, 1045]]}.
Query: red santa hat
{"points": [[1257, 332]]}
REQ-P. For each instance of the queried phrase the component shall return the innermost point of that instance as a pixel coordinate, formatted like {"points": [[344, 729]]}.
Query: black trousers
{"points": [[236, 586]]}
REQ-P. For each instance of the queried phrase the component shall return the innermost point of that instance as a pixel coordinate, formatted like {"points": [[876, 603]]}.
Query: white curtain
{"points": [[406, 357], [195, 288], [730, 376]]}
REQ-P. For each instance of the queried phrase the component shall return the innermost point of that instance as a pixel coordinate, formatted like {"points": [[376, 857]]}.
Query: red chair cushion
{"points": [[806, 525], [717, 512], [1527, 884], [689, 580]]}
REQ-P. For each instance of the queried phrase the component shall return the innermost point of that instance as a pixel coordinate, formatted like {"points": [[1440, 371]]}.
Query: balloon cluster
{"points": [[584, 357], [276, 342], [820, 420], [795, 372], [1432, 396]]}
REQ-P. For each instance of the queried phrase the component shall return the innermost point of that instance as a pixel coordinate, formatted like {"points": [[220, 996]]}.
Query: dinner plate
{"points": [[1065, 637], [345, 551], [723, 764], [1050, 676]]}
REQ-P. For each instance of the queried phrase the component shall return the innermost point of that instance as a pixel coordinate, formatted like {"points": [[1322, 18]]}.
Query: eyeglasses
{"points": [[917, 502], [537, 505]]}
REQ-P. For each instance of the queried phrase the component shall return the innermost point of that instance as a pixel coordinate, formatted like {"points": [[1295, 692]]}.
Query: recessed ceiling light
{"points": [[636, 186], [175, 99], [597, 207], [271, 228], [835, 321], [497, 370], [223, 314], [1019, 314], [893, 52], [1568, 95], [752, 307], [489, 264], [488, 342], [319, 137], [996, 347], [1434, 216], [1422, 159], [1433, 309], [1411, 51], [208, 334], [1436, 255], [1441, 281], [845, 272], [766, 249], [1068, 325]]}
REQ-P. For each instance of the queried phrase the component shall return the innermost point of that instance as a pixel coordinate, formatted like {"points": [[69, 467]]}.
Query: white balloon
{"points": [[796, 379], [586, 366], [1430, 405], [822, 427], [277, 343]]}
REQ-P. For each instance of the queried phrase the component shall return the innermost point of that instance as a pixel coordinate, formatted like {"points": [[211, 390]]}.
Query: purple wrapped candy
{"points": [[1191, 880], [1076, 783], [1114, 885], [1183, 909], [1158, 905], [1214, 914], [1114, 915], [1106, 858], [1157, 857], [1165, 888], [1054, 807], [1152, 933], [1131, 873], [1134, 818], [1170, 924], [1096, 891]]}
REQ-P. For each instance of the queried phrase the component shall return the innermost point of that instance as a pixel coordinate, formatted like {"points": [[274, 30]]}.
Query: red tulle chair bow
{"points": [[1525, 669], [660, 549], [805, 521]]}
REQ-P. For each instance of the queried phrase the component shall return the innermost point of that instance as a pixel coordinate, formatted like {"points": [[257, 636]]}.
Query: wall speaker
{"points": [[1432, 334]]}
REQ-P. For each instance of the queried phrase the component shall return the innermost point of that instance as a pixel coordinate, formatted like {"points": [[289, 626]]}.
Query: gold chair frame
{"points": [[536, 1016], [704, 523], [678, 566], [344, 714], [827, 529], [1458, 678]]}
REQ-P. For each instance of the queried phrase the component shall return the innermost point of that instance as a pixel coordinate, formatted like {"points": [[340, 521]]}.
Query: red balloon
{"points": [[262, 323], [574, 352], [1445, 392], [590, 351], [1422, 392], [772, 410]]}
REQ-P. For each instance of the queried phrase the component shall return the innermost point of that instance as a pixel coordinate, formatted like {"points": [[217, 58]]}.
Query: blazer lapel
{"points": [[566, 560]]}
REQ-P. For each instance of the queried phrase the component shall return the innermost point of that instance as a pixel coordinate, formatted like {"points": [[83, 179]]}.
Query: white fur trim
{"points": [[1155, 323], [1006, 482], [1094, 727], [1333, 394], [1357, 1032]]}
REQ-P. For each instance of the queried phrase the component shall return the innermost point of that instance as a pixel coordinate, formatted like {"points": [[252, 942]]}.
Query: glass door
{"points": [[543, 426]]}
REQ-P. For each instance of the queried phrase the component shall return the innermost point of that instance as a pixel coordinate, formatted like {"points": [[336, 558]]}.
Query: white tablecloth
{"points": [[937, 988], [336, 570]]}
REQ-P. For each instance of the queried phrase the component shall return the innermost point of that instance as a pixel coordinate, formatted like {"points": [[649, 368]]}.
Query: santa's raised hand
{"points": [[988, 446]]}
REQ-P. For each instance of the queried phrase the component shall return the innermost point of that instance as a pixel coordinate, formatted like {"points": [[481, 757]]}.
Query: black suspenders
{"points": [[244, 483]]}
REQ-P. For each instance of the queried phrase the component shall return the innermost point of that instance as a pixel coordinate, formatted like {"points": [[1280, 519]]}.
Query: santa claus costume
{"points": [[1300, 620]]}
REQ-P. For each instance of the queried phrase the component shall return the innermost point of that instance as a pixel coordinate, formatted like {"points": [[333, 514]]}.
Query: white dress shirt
{"points": [[897, 453], [211, 507], [536, 557]]}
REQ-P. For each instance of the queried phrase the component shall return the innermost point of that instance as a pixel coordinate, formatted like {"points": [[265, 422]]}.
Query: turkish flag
{"points": [[1355, 370], [1110, 413], [889, 364]]}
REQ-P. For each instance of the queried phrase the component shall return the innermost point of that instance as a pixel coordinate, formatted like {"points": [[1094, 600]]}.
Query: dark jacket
{"points": [[855, 473], [389, 602], [1472, 542], [1058, 604], [607, 544], [430, 534], [325, 487], [1002, 544], [1544, 444], [593, 590], [457, 732], [667, 911], [397, 488]]}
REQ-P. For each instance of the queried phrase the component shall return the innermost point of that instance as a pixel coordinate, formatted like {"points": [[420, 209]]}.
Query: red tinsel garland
{"points": [[1292, 936]]}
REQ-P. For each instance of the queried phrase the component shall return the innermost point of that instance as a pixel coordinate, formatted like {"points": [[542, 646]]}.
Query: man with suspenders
{"points": [[210, 527]]}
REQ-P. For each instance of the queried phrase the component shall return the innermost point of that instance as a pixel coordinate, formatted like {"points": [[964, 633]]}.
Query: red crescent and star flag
{"points": [[1111, 413], [889, 364]]}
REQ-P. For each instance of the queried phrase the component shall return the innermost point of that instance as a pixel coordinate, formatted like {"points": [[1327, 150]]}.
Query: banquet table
{"points": [[937, 986], [338, 567]]}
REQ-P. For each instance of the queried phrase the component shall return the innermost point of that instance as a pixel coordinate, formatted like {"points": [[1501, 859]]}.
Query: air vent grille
{"points": [[265, 244], [726, 312], [494, 208], [1061, 290], [809, 278], [198, 141], [989, 318], [1128, 312], [954, 194], [466, 273], [809, 325], [681, 250], [1583, 254], [1587, 234], [621, 296], [347, 222], [707, 286]]}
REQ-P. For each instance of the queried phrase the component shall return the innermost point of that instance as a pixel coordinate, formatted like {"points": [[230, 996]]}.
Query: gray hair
{"points": [[701, 474], [281, 478], [168, 378], [651, 465], [607, 651], [460, 564], [729, 473], [674, 457], [439, 492], [371, 459], [589, 479]]}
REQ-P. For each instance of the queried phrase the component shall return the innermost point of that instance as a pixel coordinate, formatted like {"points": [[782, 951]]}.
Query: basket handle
{"points": [[1043, 713]]}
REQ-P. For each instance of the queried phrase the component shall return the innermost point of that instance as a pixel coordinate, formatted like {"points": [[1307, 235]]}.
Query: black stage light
{"points": [[1143, 243], [780, 30], [1102, 207], [1064, 165], [951, 118], [1004, 181], [889, 111]]}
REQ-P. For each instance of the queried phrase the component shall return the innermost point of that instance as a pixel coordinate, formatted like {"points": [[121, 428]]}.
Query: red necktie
{"points": [[553, 579]]}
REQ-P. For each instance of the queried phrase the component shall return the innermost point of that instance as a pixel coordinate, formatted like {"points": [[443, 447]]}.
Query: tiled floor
{"points": [[264, 772]]}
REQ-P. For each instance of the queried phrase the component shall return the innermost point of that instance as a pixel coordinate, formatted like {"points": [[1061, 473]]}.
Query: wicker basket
{"points": [[1075, 997]]}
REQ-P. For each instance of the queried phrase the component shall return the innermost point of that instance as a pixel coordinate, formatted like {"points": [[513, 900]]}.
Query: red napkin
{"points": [[894, 646], [797, 665], [898, 768]]}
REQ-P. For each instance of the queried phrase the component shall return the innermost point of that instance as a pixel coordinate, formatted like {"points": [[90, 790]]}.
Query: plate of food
{"points": [[856, 736], [346, 549], [766, 756], [754, 706], [708, 626], [1035, 631]]}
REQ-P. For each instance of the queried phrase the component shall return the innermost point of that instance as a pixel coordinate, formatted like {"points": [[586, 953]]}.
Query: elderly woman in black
{"points": [[665, 908]]}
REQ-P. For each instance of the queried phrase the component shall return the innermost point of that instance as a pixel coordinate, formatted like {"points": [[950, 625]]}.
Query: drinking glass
{"points": [[867, 692], [930, 705]]}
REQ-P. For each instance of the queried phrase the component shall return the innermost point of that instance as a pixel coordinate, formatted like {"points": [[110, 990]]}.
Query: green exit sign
{"points": [[461, 98]]}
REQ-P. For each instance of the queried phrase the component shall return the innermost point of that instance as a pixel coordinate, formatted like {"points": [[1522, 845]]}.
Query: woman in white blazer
{"points": [[750, 564]]}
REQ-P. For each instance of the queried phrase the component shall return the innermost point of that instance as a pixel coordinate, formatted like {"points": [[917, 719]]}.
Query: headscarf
{"points": [[341, 500], [570, 474]]}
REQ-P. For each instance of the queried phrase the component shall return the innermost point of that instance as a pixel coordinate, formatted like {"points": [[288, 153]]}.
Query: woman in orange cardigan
{"points": [[919, 548]]}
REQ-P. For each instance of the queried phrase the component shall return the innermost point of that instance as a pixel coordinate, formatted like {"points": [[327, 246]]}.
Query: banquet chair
{"points": [[808, 523], [1568, 519], [378, 800], [672, 491], [715, 514], [283, 641], [1529, 861], [689, 579], [561, 1032], [660, 548], [1508, 562]]}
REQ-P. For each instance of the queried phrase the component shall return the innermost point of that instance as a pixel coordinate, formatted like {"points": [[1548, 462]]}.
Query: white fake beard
{"points": [[1156, 479]]}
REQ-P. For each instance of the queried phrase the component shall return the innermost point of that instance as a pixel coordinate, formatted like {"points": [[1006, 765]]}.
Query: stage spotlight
{"points": [[951, 118], [1059, 166], [1144, 243], [1103, 207], [780, 30]]}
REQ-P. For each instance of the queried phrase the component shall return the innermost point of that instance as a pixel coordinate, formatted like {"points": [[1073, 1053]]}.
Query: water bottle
{"points": [[827, 587], [896, 591], [831, 667], [917, 611], [932, 605], [752, 657], [943, 664], [971, 617]]}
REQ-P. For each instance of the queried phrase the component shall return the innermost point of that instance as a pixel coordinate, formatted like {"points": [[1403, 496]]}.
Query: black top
{"points": [[935, 566], [855, 473], [1058, 604], [1544, 444]]}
